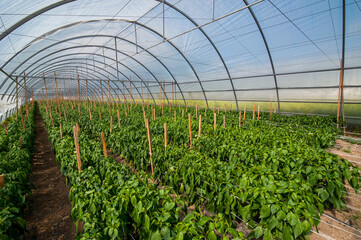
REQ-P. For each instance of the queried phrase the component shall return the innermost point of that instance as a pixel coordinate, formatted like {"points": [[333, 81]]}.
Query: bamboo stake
{"points": [[165, 136], [90, 114], [196, 111], [100, 115], [190, 130], [76, 141], [258, 113], [270, 110], [2, 181], [51, 117], [6, 130], [175, 116], [21, 141], [244, 116], [275, 107], [205, 112], [150, 144], [154, 113], [215, 121], [200, 125], [254, 109], [61, 131], [240, 119], [224, 121], [118, 118], [111, 123], [104, 146], [182, 112]]}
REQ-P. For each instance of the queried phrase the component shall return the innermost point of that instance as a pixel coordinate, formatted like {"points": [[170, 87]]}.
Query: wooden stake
{"points": [[90, 114], [104, 146], [240, 119], [2, 181], [200, 125], [100, 115], [224, 121], [215, 121], [175, 116], [111, 123], [254, 110], [165, 136], [150, 145], [154, 113], [244, 115], [258, 113], [275, 107], [21, 141], [182, 112], [6, 130], [190, 130], [61, 131], [205, 112], [118, 118], [76, 141]]}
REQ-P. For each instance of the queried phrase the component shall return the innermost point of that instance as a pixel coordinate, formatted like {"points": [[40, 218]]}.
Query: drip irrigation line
{"points": [[341, 222], [359, 236], [322, 235], [353, 208]]}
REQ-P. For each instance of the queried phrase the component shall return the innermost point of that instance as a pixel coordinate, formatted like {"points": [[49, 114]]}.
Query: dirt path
{"points": [[49, 210], [345, 225]]}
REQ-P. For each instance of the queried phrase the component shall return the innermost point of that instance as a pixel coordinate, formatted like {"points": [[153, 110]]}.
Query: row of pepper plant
{"points": [[109, 201], [275, 175], [16, 146]]}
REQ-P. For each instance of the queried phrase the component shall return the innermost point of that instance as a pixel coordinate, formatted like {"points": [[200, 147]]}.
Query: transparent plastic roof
{"points": [[250, 50]]}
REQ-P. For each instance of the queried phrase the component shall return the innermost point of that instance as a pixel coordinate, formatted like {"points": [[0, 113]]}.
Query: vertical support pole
{"points": [[101, 90], [190, 130], [86, 87], [150, 144], [26, 99], [165, 136], [17, 99], [104, 146], [57, 93], [2, 181], [76, 141], [61, 131], [118, 118], [163, 13], [215, 122], [109, 98], [200, 125], [339, 105], [258, 113], [78, 94]]}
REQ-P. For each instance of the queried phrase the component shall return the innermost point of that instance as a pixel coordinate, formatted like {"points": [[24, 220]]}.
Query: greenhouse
{"points": [[155, 119]]}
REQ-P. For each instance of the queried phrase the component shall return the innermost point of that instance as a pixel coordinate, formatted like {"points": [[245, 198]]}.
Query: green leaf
{"points": [[272, 223], [286, 233], [188, 218], [297, 230], [323, 194], [265, 211], [146, 222], [156, 236], [169, 206], [212, 236], [267, 235], [258, 232], [203, 221]]}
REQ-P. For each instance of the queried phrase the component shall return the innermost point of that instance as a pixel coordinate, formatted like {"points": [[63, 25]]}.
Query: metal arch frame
{"points": [[90, 83], [268, 51], [95, 84], [97, 67], [122, 39], [31, 16], [210, 41], [79, 47], [80, 83], [113, 81], [142, 25]]}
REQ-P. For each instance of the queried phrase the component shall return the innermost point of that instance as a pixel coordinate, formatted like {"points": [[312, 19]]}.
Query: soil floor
{"points": [[48, 216], [345, 225]]}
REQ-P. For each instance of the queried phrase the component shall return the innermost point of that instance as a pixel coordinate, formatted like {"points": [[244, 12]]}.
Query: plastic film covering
{"points": [[238, 52]]}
